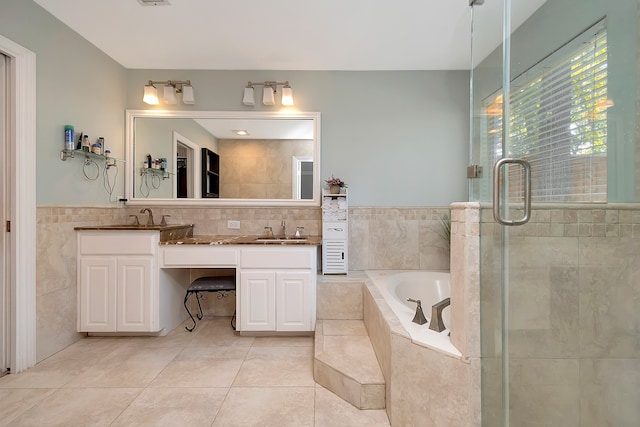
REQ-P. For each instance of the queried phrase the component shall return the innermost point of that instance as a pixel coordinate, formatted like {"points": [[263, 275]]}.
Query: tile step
{"points": [[345, 363]]}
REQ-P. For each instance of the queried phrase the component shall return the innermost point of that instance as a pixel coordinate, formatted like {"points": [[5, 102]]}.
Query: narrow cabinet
{"points": [[335, 233]]}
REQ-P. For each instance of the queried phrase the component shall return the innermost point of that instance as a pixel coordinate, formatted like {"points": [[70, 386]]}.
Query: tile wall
{"points": [[574, 318], [380, 238]]}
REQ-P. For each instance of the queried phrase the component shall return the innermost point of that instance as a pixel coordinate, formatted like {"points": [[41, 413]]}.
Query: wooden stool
{"points": [[209, 284]]}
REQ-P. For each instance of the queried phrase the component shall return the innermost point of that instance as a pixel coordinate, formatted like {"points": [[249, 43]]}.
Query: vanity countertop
{"points": [[122, 227], [167, 232], [243, 240]]}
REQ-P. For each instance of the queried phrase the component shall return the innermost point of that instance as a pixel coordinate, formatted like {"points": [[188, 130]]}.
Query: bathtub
{"points": [[428, 286]]}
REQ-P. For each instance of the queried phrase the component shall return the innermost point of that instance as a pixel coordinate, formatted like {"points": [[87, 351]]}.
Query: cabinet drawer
{"points": [[109, 243], [334, 230], [197, 256], [277, 258]]}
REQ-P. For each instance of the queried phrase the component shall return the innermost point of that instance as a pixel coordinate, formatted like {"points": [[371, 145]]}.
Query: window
{"points": [[558, 122]]}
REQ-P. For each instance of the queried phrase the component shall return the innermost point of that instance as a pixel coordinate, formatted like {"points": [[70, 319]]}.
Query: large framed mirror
{"points": [[224, 158]]}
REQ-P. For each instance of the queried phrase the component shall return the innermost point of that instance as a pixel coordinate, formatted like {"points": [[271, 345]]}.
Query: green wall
{"points": [[397, 138]]}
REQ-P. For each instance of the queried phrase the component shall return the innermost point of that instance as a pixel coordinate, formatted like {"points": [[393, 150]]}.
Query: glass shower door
{"points": [[555, 83]]}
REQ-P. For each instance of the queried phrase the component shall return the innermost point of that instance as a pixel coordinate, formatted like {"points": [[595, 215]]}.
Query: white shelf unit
{"points": [[335, 232]]}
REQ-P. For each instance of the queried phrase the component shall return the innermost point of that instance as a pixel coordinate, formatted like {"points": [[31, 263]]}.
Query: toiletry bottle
{"points": [[86, 145], [68, 138]]}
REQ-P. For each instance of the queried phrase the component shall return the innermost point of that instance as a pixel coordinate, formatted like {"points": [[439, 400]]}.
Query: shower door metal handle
{"points": [[497, 193]]}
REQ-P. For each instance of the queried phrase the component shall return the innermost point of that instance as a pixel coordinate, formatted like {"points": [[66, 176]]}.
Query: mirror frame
{"points": [[131, 115]]}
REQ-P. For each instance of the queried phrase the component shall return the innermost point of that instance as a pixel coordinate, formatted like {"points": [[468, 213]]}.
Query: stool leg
{"points": [[186, 297], [233, 320], [199, 306]]}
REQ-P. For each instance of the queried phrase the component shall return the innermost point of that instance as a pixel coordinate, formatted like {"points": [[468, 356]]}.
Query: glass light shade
{"points": [[247, 98], [170, 95], [150, 95], [268, 97], [187, 95], [287, 96]]}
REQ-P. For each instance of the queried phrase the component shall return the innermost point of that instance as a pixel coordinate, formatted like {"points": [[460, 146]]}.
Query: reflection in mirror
{"points": [[197, 156]]}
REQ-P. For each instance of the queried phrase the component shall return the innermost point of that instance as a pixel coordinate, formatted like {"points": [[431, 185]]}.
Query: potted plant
{"points": [[335, 184]]}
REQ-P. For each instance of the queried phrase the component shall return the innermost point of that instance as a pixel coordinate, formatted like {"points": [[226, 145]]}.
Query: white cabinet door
{"points": [[293, 301], [97, 294], [334, 257], [257, 301], [135, 296]]}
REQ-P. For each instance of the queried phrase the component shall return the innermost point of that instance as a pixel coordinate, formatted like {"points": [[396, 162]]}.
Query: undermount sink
{"points": [[275, 239]]}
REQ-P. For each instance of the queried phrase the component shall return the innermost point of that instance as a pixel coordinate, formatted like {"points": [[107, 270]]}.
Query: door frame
{"points": [[22, 212]]}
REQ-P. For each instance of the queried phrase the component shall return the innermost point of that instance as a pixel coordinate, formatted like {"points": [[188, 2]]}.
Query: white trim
{"points": [[131, 115], [22, 107]]}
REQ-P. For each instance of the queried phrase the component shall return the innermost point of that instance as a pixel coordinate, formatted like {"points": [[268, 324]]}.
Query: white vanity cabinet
{"points": [[118, 281], [277, 288]]}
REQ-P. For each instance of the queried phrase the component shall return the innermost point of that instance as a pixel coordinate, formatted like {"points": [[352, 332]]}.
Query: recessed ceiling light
{"points": [[241, 132], [154, 2]]}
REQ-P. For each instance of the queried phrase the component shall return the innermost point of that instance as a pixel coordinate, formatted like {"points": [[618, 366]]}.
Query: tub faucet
{"points": [[284, 228], [150, 219], [419, 317], [436, 315]]}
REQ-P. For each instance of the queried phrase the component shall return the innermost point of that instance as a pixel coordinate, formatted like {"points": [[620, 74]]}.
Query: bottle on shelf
{"points": [[68, 138], [86, 145]]}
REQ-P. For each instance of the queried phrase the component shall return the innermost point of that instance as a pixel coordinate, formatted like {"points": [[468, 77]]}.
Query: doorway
{"points": [[302, 178], [5, 298], [185, 165]]}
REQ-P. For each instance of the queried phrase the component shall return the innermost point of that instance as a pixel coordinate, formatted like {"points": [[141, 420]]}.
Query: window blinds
{"points": [[558, 122]]}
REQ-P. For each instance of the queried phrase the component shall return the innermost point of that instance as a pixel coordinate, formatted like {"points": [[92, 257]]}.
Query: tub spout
{"points": [[419, 317], [436, 315]]}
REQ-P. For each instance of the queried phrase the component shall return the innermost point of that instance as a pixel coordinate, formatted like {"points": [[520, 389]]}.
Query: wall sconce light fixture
{"points": [[268, 93], [170, 89]]}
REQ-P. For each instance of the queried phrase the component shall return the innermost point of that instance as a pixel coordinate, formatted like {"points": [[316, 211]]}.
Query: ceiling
{"points": [[259, 129], [280, 34]]}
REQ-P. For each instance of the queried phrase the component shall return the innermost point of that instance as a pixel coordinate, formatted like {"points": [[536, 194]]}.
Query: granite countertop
{"points": [[244, 240], [129, 227], [167, 232]]}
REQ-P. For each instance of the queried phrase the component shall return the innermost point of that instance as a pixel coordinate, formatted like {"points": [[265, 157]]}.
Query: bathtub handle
{"points": [[437, 324], [419, 316]]}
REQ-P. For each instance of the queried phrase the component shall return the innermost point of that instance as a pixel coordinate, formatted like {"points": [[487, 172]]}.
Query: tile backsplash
{"points": [[379, 238]]}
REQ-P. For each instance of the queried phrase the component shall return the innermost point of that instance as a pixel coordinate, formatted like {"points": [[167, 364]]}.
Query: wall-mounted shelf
{"points": [[163, 173], [70, 154]]}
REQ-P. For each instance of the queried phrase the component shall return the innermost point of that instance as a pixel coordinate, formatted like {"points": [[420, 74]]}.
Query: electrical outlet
{"points": [[233, 224]]}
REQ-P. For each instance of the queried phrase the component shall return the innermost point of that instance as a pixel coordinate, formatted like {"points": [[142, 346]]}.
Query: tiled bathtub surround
{"points": [[574, 320], [397, 238], [425, 387]]}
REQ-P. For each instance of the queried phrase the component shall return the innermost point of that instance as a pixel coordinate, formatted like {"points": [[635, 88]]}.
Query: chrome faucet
{"points": [[436, 315], [284, 228], [150, 219]]}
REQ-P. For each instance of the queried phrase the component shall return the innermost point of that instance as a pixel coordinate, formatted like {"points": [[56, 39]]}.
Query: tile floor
{"points": [[210, 377]]}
